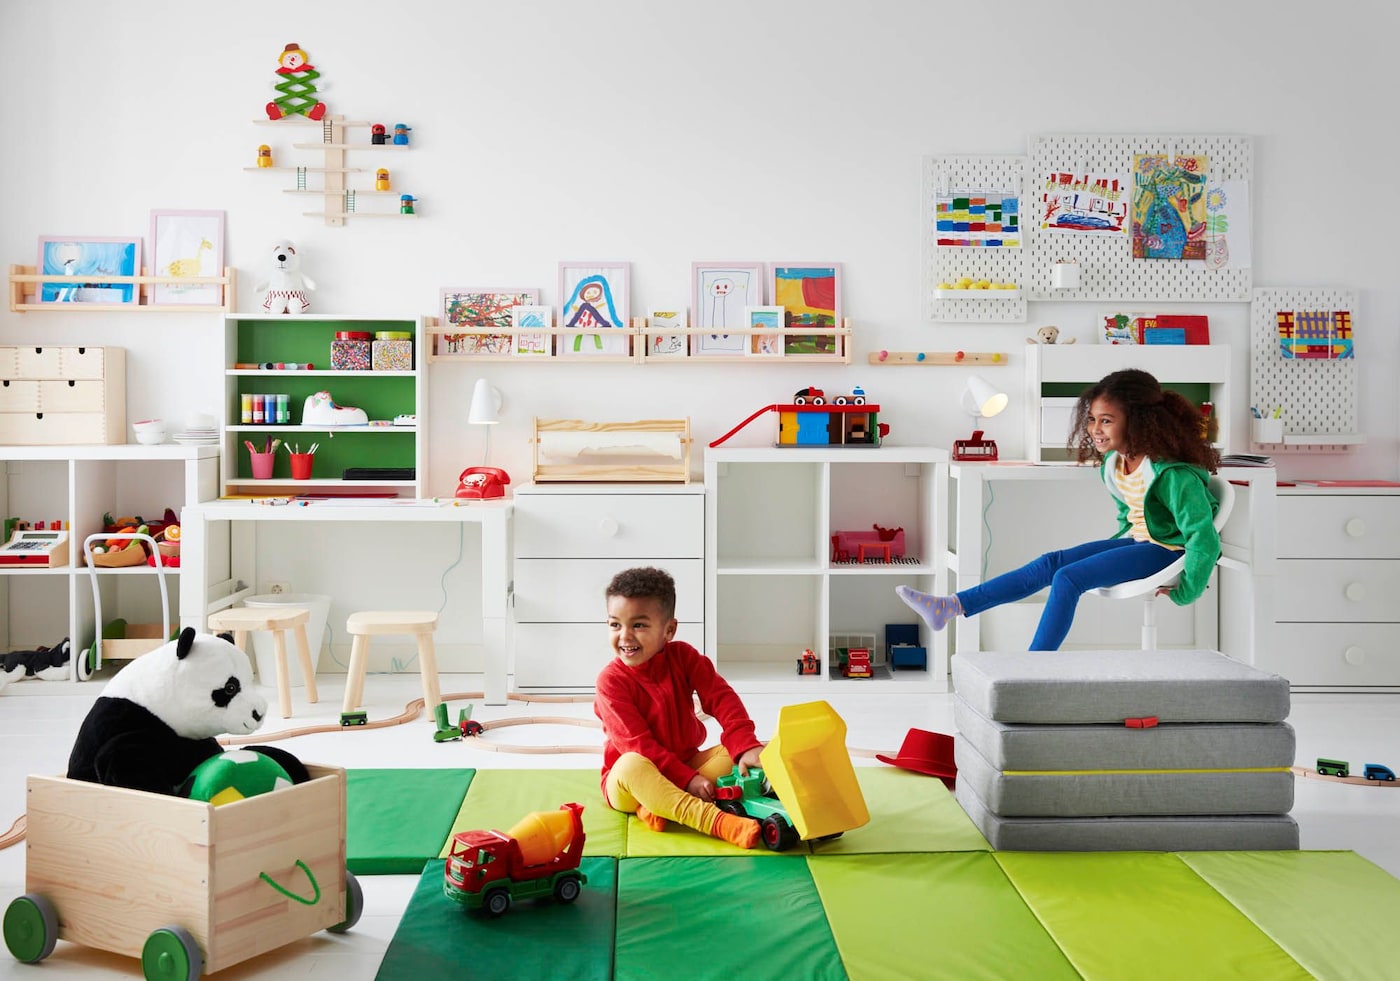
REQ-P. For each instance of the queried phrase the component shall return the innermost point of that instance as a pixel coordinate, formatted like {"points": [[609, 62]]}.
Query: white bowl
{"points": [[149, 426], [150, 437], [199, 420]]}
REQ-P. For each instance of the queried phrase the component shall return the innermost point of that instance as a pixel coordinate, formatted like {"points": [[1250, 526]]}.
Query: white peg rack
{"points": [[947, 265]]}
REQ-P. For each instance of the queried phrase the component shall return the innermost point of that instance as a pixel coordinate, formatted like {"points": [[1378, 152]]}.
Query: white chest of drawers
{"points": [[58, 396], [1337, 587], [570, 540]]}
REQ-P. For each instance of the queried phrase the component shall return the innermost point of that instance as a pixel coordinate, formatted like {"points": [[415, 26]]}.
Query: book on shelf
{"points": [[1246, 460]]}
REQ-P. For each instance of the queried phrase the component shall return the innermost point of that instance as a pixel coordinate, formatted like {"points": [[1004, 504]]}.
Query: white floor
{"points": [[39, 719]]}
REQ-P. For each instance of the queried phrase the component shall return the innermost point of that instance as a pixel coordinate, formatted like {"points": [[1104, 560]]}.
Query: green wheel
{"points": [[170, 954], [354, 904], [31, 928]]}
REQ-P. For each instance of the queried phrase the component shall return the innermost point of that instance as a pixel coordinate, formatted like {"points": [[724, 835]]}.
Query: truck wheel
{"points": [[31, 928], [732, 807], [497, 901], [354, 904], [778, 835], [566, 890], [170, 954]]}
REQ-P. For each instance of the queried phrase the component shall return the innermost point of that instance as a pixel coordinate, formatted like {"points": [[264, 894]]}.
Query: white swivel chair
{"points": [[1224, 494]]}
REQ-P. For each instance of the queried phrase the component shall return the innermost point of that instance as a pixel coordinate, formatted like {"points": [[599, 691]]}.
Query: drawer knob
{"points": [[1355, 656], [1355, 527], [608, 527], [1355, 591]]}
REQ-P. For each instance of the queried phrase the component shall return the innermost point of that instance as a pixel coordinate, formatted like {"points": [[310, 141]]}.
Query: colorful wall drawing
{"points": [[810, 297], [1169, 206], [1092, 204], [1315, 334], [721, 293], [1227, 225], [594, 296], [977, 219], [478, 308]]}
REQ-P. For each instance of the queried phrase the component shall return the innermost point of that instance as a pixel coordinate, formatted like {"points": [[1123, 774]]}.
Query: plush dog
{"points": [[156, 720], [284, 290], [45, 663], [1048, 335]]}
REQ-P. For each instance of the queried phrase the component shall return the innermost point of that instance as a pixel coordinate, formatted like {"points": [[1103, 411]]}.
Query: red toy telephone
{"points": [[481, 483]]}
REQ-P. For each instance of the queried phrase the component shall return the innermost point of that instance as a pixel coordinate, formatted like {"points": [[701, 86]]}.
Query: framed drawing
{"points": [[666, 345], [477, 308], [187, 245], [594, 303], [532, 317], [76, 258], [810, 295], [721, 293], [765, 318]]}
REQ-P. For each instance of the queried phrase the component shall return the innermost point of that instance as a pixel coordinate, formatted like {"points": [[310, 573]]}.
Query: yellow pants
{"points": [[634, 780]]}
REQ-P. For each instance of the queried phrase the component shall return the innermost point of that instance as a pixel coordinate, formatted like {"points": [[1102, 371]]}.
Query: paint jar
{"points": [[245, 409], [350, 351], [392, 350]]}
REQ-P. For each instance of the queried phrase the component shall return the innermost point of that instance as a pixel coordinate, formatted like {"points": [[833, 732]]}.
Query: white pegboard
{"points": [[1005, 174], [1108, 269], [1318, 397]]}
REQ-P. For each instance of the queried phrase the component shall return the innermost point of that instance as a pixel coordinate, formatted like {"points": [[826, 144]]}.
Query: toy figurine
{"points": [[401, 134], [264, 156], [376, 134], [297, 86], [406, 204], [381, 179]]}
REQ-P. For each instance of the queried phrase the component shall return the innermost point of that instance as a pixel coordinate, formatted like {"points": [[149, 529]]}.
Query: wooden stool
{"points": [[277, 620], [362, 626]]}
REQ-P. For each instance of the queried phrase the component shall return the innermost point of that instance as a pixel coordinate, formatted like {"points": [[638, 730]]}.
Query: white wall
{"points": [[663, 133]]}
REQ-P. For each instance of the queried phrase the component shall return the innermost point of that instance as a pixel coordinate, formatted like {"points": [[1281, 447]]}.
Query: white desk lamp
{"points": [[981, 401], [484, 481]]}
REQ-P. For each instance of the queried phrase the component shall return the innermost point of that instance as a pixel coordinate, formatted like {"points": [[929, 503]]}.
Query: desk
{"points": [[1247, 548], [200, 596]]}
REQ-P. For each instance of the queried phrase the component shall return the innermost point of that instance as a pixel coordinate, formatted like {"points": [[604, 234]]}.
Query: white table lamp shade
{"points": [[486, 404], [981, 399]]}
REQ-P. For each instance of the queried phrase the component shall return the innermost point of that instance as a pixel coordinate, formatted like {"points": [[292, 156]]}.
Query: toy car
{"points": [[1375, 771], [809, 396], [752, 796], [808, 663], [858, 663], [1333, 768], [354, 718], [538, 857]]}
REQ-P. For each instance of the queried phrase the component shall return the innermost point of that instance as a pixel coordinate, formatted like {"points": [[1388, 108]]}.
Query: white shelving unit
{"points": [[77, 484], [384, 395], [1057, 373], [772, 587]]}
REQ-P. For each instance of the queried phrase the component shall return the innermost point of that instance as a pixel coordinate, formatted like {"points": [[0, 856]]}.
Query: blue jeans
{"points": [[1069, 574]]}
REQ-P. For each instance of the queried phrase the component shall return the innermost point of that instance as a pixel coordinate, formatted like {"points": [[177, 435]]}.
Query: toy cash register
{"points": [[36, 548]]}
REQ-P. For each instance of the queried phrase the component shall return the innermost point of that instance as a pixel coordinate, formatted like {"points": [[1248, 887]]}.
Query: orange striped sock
{"points": [[652, 821]]}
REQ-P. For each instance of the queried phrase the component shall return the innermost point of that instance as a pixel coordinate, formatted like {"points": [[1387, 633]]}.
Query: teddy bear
{"points": [[157, 719], [284, 290], [1048, 335]]}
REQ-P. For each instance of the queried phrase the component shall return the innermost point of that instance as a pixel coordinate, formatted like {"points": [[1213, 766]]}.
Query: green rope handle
{"points": [[291, 895]]}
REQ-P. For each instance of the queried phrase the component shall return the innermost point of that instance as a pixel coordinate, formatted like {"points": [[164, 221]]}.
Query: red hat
{"points": [[925, 752]]}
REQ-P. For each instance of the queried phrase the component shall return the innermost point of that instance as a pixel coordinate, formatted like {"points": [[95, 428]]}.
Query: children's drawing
{"points": [[1227, 225], [478, 308], [79, 258], [810, 296], [722, 291], [595, 299], [1317, 335], [765, 318], [1121, 328], [666, 345], [1169, 206], [1082, 203], [525, 317], [981, 219]]}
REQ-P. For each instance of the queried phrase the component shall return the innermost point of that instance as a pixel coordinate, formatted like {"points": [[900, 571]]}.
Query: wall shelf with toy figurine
{"points": [[25, 284]]}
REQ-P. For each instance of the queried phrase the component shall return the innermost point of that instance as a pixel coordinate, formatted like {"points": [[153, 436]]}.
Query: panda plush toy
{"points": [[157, 718]]}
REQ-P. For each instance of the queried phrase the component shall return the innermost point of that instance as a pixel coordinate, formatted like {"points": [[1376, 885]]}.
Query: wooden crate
{"points": [[118, 864]]}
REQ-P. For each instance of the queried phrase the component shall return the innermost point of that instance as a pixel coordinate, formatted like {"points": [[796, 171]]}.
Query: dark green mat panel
{"points": [[739, 917], [1142, 915], [1334, 912], [499, 798], [396, 820], [438, 940], [953, 915]]}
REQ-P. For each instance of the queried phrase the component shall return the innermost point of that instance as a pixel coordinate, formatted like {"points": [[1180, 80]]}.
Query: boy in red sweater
{"points": [[652, 762]]}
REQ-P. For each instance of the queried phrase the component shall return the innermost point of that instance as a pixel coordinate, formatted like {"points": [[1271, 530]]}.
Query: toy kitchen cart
{"points": [[185, 886]]}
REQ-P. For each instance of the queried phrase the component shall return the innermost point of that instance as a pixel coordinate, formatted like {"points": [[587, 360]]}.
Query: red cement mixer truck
{"points": [[539, 856]]}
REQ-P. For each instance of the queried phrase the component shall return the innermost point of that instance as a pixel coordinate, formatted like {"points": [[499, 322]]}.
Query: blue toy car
{"points": [[1375, 771]]}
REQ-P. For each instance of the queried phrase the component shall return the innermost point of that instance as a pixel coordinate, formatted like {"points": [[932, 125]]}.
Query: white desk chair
{"points": [[1224, 493]]}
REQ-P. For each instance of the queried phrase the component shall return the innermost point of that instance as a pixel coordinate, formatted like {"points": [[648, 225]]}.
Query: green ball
{"points": [[234, 775]]}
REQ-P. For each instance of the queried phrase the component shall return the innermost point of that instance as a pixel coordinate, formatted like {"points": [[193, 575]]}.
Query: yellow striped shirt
{"points": [[1133, 487]]}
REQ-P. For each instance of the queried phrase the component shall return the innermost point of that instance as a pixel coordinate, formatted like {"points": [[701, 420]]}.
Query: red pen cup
{"points": [[301, 465], [262, 465]]}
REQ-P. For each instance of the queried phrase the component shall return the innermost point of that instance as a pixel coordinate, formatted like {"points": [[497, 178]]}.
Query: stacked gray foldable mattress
{"points": [[1123, 750]]}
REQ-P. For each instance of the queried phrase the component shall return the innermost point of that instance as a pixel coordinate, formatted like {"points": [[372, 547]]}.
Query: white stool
{"points": [[276, 620], [362, 626]]}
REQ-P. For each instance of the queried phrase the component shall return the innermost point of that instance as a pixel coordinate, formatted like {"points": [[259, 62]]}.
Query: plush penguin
{"points": [[157, 718]]}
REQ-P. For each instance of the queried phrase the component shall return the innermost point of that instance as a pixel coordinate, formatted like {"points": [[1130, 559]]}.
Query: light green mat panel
{"points": [[1142, 915], [739, 917], [1334, 912], [499, 798], [678, 840], [909, 812], [953, 915], [438, 940], [395, 820]]}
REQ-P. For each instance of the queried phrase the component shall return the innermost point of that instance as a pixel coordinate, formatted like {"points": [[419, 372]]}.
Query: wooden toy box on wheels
{"points": [[116, 865]]}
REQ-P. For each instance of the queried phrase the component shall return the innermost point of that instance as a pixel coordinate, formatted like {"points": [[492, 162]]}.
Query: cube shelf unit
{"points": [[772, 585], [1057, 373], [259, 339]]}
